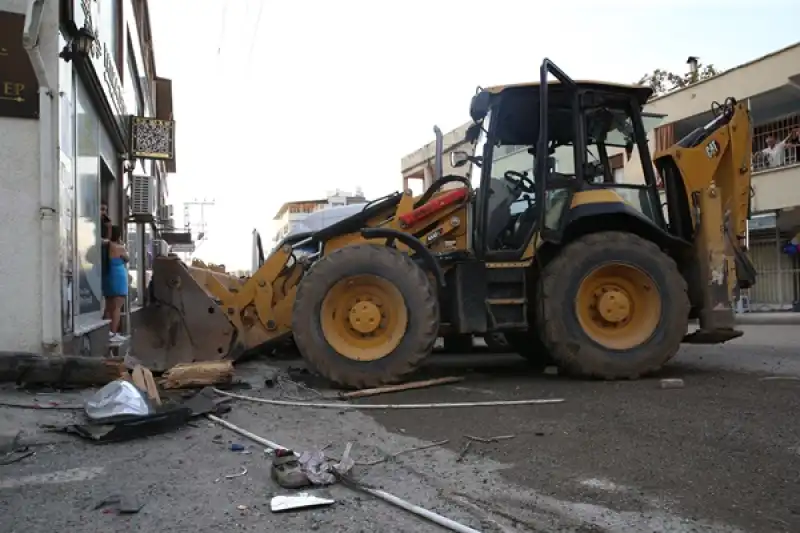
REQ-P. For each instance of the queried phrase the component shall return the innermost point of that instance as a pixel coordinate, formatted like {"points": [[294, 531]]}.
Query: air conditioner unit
{"points": [[160, 247], [143, 195]]}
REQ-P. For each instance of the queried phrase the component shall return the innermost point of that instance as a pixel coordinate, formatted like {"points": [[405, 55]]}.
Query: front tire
{"points": [[612, 306], [365, 315]]}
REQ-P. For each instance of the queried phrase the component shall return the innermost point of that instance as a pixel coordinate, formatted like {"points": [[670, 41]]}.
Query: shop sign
{"points": [[87, 15], [19, 89], [152, 138]]}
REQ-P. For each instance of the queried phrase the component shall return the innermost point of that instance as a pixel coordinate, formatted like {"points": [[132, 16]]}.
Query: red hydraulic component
{"points": [[434, 205]]}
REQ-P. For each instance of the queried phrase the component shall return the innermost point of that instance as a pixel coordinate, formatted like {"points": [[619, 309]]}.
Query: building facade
{"points": [[771, 86], [92, 137], [290, 214]]}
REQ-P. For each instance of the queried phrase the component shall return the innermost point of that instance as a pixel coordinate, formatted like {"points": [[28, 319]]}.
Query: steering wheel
{"points": [[520, 180]]}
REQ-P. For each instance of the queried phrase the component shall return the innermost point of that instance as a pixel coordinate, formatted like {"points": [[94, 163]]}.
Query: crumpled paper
{"points": [[320, 470]]}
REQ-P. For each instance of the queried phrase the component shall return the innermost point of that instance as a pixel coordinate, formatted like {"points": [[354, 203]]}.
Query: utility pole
{"points": [[198, 229]]}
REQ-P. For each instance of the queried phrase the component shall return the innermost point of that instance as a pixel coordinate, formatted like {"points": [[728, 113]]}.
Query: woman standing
{"points": [[115, 282]]}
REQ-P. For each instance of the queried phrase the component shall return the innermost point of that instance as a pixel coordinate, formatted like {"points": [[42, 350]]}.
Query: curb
{"points": [[768, 318]]}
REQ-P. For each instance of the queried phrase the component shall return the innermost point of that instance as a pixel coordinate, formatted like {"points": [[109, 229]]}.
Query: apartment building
{"points": [[292, 214], [89, 123], [771, 87]]}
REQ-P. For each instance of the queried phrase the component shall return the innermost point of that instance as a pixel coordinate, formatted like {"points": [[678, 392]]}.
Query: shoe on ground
{"points": [[287, 472]]}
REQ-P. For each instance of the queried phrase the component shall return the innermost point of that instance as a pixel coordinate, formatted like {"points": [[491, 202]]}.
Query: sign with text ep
{"points": [[19, 90]]}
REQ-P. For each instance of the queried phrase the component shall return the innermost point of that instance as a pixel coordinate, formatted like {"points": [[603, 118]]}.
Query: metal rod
{"points": [[443, 521], [349, 406]]}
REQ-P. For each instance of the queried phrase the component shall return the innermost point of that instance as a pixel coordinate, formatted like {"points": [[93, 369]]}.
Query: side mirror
{"points": [[458, 159], [479, 107], [473, 133]]}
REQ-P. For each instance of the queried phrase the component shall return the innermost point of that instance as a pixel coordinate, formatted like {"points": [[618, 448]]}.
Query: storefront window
{"points": [[67, 191], [88, 205], [108, 26]]}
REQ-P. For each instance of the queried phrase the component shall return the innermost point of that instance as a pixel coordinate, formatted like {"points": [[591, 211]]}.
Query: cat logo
{"points": [[435, 234], [712, 149]]}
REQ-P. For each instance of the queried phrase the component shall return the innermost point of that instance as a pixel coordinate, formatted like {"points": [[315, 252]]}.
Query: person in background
{"points": [[774, 155], [115, 282]]}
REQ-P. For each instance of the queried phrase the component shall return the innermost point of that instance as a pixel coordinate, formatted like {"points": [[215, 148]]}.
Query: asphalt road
{"points": [[721, 454]]}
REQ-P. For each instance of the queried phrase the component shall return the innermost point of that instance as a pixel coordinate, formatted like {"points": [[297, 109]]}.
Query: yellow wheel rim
{"points": [[618, 306], [364, 317]]}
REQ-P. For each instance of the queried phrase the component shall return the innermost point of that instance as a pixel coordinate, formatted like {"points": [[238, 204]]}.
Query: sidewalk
{"points": [[779, 318]]}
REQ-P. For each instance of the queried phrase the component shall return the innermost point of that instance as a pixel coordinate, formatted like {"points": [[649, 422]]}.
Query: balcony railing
{"points": [[784, 135]]}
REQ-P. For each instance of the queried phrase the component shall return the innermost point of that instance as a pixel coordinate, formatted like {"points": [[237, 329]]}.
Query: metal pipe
{"points": [[443, 521], [438, 165], [49, 188]]}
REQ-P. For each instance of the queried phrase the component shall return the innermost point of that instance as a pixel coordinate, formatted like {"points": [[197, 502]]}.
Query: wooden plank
{"points": [[143, 379], [189, 375], [363, 393]]}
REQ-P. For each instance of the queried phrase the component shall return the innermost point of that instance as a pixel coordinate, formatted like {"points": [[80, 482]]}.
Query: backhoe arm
{"points": [[707, 180]]}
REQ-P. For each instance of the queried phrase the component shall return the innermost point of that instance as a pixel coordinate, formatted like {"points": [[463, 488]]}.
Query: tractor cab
{"points": [[539, 172]]}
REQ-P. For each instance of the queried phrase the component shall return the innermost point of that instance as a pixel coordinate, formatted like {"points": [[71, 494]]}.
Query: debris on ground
{"points": [[301, 500], [671, 383], [389, 457], [353, 406], [486, 440], [192, 375], [295, 471], [143, 379], [551, 370], [121, 411], [363, 393], [383, 495], [117, 399], [489, 440], [16, 456], [60, 371], [123, 503], [239, 474], [287, 472]]}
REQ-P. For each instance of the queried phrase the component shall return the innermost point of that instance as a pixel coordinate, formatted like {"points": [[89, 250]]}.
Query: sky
{"points": [[277, 101]]}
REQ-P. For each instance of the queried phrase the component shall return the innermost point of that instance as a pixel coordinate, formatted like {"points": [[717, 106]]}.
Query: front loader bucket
{"points": [[184, 324]]}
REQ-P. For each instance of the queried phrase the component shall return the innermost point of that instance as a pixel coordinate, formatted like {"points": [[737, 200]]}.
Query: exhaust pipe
{"points": [[438, 169]]}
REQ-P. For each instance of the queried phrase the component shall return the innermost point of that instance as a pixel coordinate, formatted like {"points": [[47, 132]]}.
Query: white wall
{"points": [[20, 235]]}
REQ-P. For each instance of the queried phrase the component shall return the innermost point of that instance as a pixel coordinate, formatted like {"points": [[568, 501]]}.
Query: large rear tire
{"points": [[365, 315], [612, 306]]}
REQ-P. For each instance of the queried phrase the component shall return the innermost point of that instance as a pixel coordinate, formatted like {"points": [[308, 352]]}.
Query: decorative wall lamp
{"points": [[79, 45]]}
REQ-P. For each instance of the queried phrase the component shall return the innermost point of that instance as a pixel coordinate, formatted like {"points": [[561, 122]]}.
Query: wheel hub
{"points": [[364, 317], [617, 307], [614, 305]]}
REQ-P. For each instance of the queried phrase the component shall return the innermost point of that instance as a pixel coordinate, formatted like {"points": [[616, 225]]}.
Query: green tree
{"points": [[663, 81]]}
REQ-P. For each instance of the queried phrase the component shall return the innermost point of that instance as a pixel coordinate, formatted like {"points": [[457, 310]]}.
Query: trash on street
{"points": [[301, 500]]}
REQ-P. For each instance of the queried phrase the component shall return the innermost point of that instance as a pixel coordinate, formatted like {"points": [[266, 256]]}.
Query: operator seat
{"points": [[501, 195], [527, 219]]}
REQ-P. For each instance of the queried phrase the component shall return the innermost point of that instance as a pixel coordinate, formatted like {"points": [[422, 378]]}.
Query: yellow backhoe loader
{"points": [[538, 243]]}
